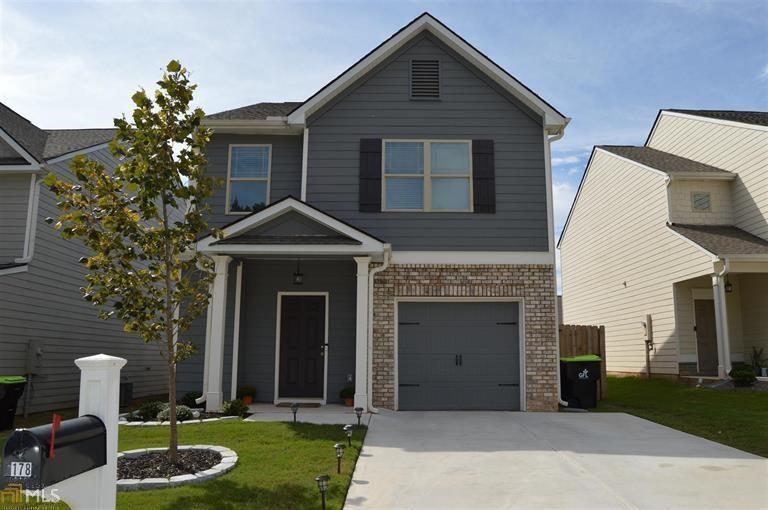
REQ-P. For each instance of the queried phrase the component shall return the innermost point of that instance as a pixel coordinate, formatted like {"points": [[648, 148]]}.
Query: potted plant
{"points": [[348, 395], [246, 394]]}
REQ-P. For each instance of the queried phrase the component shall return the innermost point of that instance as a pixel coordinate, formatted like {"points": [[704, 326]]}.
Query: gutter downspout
{"points": [[549, 141], [723, 320], [371, 275]]}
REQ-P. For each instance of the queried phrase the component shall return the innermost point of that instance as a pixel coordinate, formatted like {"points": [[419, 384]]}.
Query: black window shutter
{"points": [[370, 175], [483, 176]]}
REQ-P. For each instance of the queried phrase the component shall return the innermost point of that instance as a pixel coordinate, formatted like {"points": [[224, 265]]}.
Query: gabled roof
{"points": [[722, 240], [330, 236], [42, 144], [745, 117], [552, 118], [258, 111], [665, 162]]}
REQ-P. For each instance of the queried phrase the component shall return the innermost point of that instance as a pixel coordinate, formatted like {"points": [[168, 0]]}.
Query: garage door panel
{"points": [[431, 337]]}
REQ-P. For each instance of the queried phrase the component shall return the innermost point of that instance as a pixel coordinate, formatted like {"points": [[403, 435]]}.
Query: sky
{"points": [[609, 65]]}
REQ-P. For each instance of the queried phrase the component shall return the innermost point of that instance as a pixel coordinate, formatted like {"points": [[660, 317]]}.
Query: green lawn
{"points": [[736, 417], [276, 467]]}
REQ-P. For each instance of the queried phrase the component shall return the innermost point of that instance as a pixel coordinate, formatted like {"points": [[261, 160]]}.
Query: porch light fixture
{"points": [[728, 286], [294, 410], [298, 276], [359, 413], [322, 485], [339, 447], [349, 430]]}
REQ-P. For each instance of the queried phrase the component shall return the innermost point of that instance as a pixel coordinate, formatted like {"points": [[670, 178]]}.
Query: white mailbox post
{"points": [[100, 397]]}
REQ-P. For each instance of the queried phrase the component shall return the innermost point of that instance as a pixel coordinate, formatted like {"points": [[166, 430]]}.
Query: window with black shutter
{"points": [[425, 79]]}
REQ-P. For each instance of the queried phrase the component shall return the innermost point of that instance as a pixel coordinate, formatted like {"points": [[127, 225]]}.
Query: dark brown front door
{"points": [[706, 336], [302, 346]]}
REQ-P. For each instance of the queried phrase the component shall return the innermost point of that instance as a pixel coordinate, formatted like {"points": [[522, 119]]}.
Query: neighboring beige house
{"points": [[676, 229]]}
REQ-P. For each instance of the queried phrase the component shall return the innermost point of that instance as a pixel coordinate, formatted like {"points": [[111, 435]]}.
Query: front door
{"points": [[302, 347], [706, 336]]}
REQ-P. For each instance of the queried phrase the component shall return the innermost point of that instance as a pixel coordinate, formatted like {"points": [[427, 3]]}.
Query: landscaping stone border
{"points": [[228, 461], [185, 422]]}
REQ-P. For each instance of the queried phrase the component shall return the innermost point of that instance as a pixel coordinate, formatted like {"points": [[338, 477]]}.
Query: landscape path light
{"points": [[359, 413], [294, 410], [349, 430], [339, 447], [322, 485]]}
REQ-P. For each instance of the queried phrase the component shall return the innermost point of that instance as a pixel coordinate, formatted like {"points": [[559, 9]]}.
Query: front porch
{"points": [[721, 320], [289, 308]]}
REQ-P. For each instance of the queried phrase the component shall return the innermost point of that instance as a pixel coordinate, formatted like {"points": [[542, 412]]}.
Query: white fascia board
{"points": [[746, 258], [72, 154], [13, 270], [368, 243], [426, 22], [473, 257], [701, 118], [292, 249], [252, 126], [18, 148], [20, 169], [701, 176]]}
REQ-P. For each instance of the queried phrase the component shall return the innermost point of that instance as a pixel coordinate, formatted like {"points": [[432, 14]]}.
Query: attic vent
{"points": [[425, 79]]}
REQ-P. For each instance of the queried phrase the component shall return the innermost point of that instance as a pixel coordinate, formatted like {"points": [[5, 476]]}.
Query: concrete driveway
{"points": [[481, 460]]}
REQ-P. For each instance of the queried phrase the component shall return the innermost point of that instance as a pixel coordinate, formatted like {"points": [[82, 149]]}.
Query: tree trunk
{"points": [[174, 439]]}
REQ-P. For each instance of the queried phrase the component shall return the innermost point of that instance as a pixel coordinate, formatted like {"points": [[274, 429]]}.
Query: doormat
{"points": [[308, 404]]}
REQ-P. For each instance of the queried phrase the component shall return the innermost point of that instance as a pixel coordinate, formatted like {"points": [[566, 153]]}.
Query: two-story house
{"points": [[393, 232], [676, 229], [44, 322]]}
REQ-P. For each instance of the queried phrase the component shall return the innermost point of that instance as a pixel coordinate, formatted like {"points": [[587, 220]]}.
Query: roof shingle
{"points": [[258, 111], [723, 239], [663, 161], [757, 118], [30, 137], [63, 141]]}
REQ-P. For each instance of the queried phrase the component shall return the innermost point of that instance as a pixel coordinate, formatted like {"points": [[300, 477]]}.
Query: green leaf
{"points": [[174, 66]]}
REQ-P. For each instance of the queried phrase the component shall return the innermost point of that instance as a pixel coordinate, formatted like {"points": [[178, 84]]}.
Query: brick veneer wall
{"points": [[534, 283]]}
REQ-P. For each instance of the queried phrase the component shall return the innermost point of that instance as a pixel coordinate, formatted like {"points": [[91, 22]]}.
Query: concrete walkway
{"points": [[332, 414], [487, 460]]}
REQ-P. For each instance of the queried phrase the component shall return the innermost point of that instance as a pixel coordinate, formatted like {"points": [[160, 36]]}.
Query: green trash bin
{"points": [[579, 376], [11, 388]]}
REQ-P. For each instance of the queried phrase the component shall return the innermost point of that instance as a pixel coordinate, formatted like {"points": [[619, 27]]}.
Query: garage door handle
{"points": [[406, 385], [461, 360], [508, 384], [409, 323], [506, 323]]}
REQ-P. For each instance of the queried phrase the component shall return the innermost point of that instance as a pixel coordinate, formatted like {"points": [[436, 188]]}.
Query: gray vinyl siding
{"points": [[285, 176], [14, 201], [44, 305], [262, 280], [470, 108]]}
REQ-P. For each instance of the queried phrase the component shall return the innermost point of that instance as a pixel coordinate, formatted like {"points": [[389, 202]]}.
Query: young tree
{"points": [[141, 221]]}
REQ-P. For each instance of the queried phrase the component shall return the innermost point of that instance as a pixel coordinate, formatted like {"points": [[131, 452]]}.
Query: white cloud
{"points": [[574, 171], [562, 195], [565, 160]]}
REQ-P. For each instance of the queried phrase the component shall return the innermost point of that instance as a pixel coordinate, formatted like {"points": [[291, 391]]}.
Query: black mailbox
{"points": [[80, 445]]}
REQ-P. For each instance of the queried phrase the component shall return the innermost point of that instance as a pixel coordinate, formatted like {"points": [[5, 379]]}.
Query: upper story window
{"points": [[701, 201], [248, 178], [425, 79], [428, 175]]}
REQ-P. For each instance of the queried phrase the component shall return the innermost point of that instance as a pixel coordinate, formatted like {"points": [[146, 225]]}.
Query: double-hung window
{"points": [[248, 178], [429, 175]]}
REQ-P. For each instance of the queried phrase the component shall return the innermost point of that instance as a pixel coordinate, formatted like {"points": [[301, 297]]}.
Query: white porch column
{"points": [[213, 397], [721, 323], [361, 333]]}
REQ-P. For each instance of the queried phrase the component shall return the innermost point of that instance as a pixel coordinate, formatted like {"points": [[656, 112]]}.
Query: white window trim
{"points": [[426, 176], [230, 178], [432, 299], [277, 399]]}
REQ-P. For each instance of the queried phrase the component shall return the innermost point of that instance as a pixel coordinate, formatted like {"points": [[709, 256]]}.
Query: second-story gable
{"points": [[417, 144]]}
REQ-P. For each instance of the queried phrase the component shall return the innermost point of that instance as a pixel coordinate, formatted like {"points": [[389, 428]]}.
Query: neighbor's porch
{"points": [[722, 320]]}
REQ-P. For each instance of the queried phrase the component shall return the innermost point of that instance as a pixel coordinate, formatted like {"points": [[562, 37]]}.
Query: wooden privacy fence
{"points": [[578, 340]]}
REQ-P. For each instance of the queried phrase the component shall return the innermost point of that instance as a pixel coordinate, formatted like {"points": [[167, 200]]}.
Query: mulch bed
{"points": [[157, 465]]}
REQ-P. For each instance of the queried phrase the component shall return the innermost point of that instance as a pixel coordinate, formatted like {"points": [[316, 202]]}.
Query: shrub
{"points": [[234, 408], [189, 399], [147, 411], [743, 376], [183, 413], [246, 391], [348, 392]]}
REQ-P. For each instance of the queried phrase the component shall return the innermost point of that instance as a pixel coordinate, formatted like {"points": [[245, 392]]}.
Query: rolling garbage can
{"points": [[11, 388], [579, 376]]}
